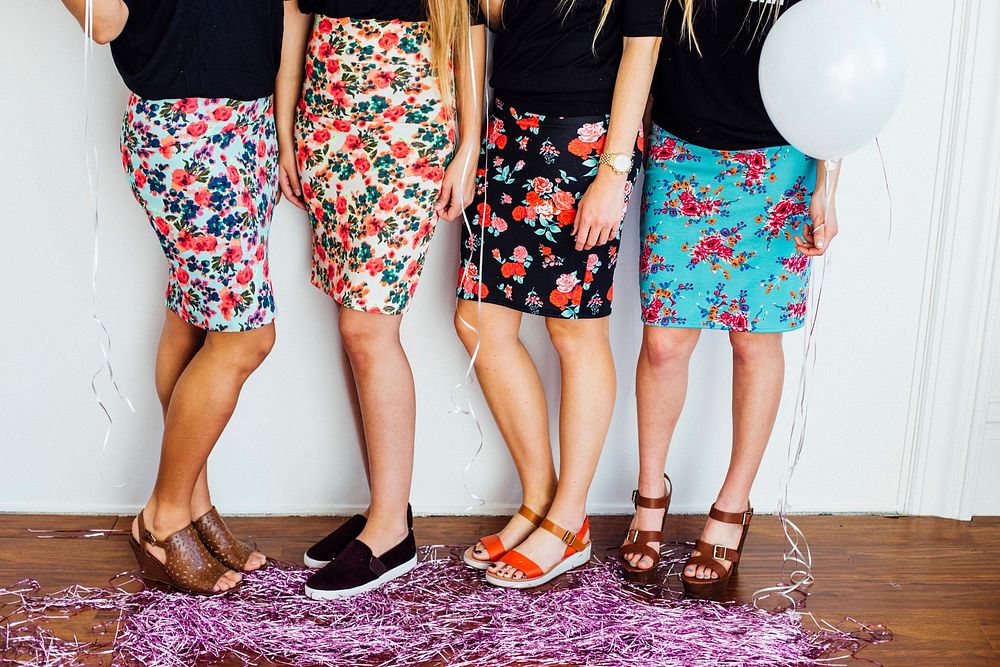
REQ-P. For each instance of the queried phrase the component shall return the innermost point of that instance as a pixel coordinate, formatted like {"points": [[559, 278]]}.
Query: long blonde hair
{"points": [[448, 27], [688, 12], [567, 7]]}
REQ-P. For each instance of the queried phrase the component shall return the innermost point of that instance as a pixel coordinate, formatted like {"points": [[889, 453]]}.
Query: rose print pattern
{"points": [[205, 171], [373, 140], [717, 237], [533, 171]]}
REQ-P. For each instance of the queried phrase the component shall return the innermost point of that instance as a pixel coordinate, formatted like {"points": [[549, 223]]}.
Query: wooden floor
{"points": [[933, 582]]}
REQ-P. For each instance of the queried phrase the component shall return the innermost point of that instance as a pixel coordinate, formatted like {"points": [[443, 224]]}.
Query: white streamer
{"points": [[93, 173], [468, 380]]}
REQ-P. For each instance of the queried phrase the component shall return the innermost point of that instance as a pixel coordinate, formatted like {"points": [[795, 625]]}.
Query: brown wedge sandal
{"points": [[189, 567], [637, 541], [221, 542], [711, 554]]}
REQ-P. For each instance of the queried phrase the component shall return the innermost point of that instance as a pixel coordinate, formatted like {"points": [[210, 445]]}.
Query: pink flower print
{"points": [[652, 312], [797, 263], [520, 253], [737, 321], [592, 261], [590, 132], [566, 282]]}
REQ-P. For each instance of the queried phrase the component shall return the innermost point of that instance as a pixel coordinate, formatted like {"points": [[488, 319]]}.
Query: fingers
{"points": [[291, 188], [444, 199]]}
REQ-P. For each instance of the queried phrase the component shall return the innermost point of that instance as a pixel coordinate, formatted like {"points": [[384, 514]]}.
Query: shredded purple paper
{"points": [[442, 613]]}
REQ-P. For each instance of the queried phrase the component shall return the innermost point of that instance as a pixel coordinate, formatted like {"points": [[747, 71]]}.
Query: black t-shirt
{"points": [[200, 48], [713, 100], [381, 10], [545, 60]]}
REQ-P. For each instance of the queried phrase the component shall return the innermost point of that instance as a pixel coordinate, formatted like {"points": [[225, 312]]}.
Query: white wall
{"points": [[293, 445]]}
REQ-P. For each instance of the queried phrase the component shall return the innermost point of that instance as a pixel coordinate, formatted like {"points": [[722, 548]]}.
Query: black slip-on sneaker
{"points": [[324, 551], [357, 570]]}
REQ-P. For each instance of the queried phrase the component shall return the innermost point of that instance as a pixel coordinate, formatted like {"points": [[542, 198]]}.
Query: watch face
{"points": [[622, 162]]}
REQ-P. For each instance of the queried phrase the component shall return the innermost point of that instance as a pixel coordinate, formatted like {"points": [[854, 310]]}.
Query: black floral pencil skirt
{"points": [[533, 170]]}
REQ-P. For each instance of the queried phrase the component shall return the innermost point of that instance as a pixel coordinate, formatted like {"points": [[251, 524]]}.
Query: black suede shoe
{"points": [[324, 551], [356, 570]]}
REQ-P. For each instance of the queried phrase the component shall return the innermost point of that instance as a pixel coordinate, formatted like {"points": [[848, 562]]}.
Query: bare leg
{"points": [[758, 372], [585, 409], [661, 379], [515, 396], [388, 409], [200, 405]]}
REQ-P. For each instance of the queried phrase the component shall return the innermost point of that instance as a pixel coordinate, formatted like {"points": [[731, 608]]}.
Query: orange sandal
{"points": [[711, 554], [637, 541], [577, 554], [494, 547]]}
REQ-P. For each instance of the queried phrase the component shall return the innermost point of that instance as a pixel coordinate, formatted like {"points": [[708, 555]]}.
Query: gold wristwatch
{"points": [[620, 163]]}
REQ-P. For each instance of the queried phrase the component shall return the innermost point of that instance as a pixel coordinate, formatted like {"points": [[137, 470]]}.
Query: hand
{"points": [[599, 213], [816, 237], [458, 186], [288, 175]]}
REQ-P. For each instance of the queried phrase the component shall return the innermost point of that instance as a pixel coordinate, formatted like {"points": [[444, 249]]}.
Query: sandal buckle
{"points": [[569, 538], [746, 516], [632, 535], [720, 552], [635, 497]]}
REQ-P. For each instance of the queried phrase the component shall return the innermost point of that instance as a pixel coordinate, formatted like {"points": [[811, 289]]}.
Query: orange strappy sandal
{"points": [[577, 554], [189, 567], [221, 543], [711, 554], [637, 541], [494, 547]]}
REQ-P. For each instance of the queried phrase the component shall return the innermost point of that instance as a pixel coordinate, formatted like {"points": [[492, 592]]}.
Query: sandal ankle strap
{"points": [[569, 538], [530, 514], [738, 518], [660, 503]]}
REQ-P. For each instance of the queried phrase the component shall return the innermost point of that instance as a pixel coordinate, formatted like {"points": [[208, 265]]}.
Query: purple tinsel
{"points": [[442, 613]]}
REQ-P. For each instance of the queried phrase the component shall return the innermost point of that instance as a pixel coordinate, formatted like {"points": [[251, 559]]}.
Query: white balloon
{"points": [[831, 75]]}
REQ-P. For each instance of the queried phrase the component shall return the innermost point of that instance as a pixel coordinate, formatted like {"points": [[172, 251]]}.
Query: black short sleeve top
{"points": [[382, 10], [545, 59], [713, 100], [200, 48]]}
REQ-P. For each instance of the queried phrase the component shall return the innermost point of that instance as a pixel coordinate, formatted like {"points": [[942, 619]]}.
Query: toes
{"points": [[645, 563], [255, 561]]}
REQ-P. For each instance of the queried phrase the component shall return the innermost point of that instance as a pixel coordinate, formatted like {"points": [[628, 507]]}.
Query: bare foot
{"points": [[227, 581]]}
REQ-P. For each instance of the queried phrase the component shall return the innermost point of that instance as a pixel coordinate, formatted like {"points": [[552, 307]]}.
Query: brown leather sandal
{"points": [[637, 541], [221, 542], [711, 554], [189, 567], [494, 547]]}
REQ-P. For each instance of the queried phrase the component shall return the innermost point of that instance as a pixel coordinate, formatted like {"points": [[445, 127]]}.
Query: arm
{"points": [[600, 211], [459, 183], [287, 90], [492, 13], [109, 17], [816, 237]]}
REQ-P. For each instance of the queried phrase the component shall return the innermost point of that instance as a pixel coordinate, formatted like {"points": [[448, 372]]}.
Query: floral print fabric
{"points": [[373, 140], [717, 236], [205, 171], [533, 171]]}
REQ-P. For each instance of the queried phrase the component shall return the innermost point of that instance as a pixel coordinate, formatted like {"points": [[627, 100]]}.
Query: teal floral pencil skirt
{"points": [[718, 230]]}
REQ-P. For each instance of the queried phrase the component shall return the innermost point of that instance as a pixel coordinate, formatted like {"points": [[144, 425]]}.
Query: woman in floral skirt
{"points": [[384, 140], [200, 150], [557, 167], [729, 224]]}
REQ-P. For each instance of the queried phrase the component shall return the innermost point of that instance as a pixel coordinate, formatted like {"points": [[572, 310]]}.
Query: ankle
{"points": [[539, 500], [732, 502], [165, 520], [652, 486]]}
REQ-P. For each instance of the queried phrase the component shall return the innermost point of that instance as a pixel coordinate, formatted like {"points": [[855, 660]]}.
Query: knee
{"points": [[244, 351], [752, 347], [575, 337], [663, 347], [466, 333], [361, 336]]}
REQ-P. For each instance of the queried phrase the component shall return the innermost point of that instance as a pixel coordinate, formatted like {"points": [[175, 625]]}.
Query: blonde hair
{"points": [[567, 7], [688, 12], [448, 28]]}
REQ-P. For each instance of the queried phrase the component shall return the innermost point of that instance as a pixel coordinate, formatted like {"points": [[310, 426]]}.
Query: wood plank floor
{"points": [[933, 582]]}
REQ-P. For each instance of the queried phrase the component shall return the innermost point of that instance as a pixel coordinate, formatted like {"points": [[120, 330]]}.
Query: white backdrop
{"points": [[293, 445]]}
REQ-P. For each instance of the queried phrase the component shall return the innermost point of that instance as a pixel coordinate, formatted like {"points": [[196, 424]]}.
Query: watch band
{"points": [[609, 160]]}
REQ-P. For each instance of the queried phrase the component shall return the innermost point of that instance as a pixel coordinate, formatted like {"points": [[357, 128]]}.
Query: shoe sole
{"points": [[398, 571], [564, 566], [474, 562], [313, 563]]}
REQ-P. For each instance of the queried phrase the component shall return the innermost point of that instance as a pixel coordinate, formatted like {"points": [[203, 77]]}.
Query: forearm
{"points": [[470, 77], [825, 178], [109, 17], [628, 106], [288, 85]]}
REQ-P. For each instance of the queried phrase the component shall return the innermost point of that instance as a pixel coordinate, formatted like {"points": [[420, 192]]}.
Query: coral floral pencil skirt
{"points": [[205, 171], [718, 228]]}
